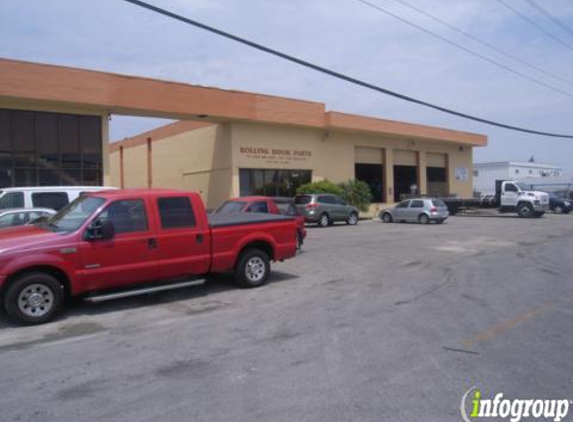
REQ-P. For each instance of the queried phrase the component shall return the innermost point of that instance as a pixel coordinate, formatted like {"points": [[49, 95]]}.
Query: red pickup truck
{"points": [[105, 242], [265, 204]]}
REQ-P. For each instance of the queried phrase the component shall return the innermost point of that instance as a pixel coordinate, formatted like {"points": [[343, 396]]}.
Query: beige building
{"points": [[230, 159], [54, 130]]}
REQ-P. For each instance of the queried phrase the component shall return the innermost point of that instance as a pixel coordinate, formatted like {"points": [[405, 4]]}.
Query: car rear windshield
{"points": [[230, 207], [438, 203], [303, 199]]}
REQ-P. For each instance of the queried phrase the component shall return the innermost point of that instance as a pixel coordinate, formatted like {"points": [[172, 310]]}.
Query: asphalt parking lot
{"points": [[369, 323]]}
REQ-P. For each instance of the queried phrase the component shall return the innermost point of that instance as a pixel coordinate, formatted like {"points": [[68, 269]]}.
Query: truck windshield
{"points": [[230, 207], [521, 186], [73, 215]]}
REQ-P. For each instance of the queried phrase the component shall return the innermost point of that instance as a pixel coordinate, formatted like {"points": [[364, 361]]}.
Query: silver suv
{"points": [[325, 209], [422, 210]]}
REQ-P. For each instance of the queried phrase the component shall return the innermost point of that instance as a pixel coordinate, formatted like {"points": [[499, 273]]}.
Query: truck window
{"points": [[53, 200], [176, 212], [510, 187], [12, 200], [260, 207], [230, 207], [127, 216], [73, 215]]}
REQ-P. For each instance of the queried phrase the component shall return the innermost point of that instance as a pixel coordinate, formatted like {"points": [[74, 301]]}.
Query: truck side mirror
{"points": [[100, 230]]}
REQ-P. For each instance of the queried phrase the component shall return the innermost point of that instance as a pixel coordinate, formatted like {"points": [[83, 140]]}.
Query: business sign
{"points": [[276, 155], [462, 174]]}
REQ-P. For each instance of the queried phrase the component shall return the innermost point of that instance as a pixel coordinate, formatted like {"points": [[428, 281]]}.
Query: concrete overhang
{"points": [[102, 92]]}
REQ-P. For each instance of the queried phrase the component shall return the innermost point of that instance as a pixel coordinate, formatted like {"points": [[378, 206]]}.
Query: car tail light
{"points": [[433, 209], [311, 206]]}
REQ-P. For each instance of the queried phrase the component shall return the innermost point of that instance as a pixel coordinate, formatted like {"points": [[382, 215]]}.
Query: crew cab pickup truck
{"points": [[116, 243], [265, 204]]}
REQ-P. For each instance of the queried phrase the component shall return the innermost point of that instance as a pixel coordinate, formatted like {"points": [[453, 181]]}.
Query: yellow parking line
{"points": [[506, 325]]}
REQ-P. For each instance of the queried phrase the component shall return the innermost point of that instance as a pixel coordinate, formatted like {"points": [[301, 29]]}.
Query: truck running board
{"points": [[136, 292]]}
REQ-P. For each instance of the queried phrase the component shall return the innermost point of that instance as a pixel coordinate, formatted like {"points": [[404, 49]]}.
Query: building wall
{"points": [[331, 155], [198, 160], [208, 159]]}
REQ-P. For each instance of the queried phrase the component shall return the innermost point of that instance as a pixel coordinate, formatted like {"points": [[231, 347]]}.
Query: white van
{"points": [[53, 197]]}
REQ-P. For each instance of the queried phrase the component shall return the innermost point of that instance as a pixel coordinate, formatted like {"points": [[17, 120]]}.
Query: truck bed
{"points": [[240, 219]]}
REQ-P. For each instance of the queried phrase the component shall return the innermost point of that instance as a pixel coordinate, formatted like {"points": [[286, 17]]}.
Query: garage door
{"points": [[435, 160], [365, 155], [405, 158]]}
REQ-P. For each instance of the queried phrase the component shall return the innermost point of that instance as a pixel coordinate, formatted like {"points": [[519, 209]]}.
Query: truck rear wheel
{"points": [[33, 298], [253, 268], [525, 210]]}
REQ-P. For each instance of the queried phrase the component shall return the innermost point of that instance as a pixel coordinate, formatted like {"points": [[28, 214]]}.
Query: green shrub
{"points": [[353, 192], [357, 193], [323, 186]]}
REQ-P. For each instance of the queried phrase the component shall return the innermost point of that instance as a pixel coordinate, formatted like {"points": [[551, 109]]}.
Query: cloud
{"points": [[344, 35]]}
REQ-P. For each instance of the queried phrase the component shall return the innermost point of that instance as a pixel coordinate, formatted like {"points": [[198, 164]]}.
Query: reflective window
{"points": [[327, 199], [230, 207], [260, 207], [13, 219], [176, 212], [49, 149], [403, 204], [510, 187], [127, 216], [12, 200], [416, 203], [267, 182], [53, 200]]}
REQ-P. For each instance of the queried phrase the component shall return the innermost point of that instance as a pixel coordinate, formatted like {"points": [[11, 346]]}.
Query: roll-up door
{"points": [[405, 158], [435, 160], [366, 155]]}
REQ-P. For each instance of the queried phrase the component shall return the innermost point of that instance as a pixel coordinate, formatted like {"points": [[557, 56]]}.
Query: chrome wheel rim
{"points": [[558, 210], [36, 300], [324, 220], [353, 219], [255, 269]]}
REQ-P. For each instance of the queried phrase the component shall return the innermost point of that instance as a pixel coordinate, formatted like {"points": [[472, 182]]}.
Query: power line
{"points": [[484, 43], [532, 23], [336, 74], [467, 50], [549, 16]]}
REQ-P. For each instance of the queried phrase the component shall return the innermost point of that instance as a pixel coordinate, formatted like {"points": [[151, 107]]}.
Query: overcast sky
{"points": [[344, 35]]}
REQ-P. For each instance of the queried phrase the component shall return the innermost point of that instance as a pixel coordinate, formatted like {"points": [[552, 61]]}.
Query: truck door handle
{"points": [[152, 243], [199, 238]]}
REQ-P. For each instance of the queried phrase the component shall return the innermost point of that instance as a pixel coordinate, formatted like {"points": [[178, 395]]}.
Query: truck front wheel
{"points": [[33, 298], [525, 210], [253, 268]]}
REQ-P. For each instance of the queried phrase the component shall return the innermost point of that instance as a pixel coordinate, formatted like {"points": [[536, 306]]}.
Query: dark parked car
{"points": [[325, 209], [559, 205]]}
